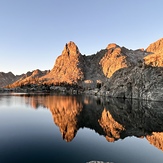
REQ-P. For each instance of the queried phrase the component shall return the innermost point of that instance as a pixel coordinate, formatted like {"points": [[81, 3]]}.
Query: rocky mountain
{"points": [[142, 81], [155, 57], [136, 82], [122, 72], [68, 67], [8, 78], [29, 78], [74, 68]]}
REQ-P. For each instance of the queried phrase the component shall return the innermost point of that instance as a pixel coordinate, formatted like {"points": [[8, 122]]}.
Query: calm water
{"points": [[78, 129]]}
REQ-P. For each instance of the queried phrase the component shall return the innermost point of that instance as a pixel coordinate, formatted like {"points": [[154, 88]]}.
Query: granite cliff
{"points": [[68, 67], [121, 72], [155, 57], [142, 81]]}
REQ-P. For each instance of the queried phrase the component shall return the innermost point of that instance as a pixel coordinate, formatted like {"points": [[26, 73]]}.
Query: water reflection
{"points": [[113, 118]]}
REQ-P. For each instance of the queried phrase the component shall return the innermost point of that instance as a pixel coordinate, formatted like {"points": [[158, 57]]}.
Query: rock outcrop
{"points": [[155, 57], [136, 82], [68, 67], [117, 57]]}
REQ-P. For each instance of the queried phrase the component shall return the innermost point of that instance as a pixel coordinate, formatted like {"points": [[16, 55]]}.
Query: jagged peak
{"points": [[156, 46], [70, 49], [112, 46], [71, 43], [37, 71]]}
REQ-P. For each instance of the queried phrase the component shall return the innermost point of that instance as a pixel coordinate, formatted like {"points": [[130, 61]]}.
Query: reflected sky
{"points": [[79, 129]]}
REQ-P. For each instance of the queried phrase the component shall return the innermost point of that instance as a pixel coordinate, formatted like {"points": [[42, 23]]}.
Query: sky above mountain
{"points": [[33, 32]]}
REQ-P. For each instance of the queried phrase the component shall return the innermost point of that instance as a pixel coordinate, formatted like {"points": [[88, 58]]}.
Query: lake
{"points": [[48, 128]]}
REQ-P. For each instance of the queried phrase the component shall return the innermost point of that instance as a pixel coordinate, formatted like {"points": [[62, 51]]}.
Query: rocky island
{"points": [[114, 71]]}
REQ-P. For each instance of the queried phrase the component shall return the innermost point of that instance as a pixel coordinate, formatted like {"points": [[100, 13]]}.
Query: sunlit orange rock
{"points": [[68, 66], [113, 60], [155, 56]]}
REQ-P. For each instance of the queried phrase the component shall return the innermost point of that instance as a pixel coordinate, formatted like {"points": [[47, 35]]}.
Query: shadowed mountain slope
{"points": [[8, 78]]}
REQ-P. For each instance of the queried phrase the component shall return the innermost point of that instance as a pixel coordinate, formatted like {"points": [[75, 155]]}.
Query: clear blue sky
{"points": [[33, 32]]}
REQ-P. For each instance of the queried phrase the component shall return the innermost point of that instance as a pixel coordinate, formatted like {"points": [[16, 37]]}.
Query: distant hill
{"points": [[8, 78], [29, 78]]}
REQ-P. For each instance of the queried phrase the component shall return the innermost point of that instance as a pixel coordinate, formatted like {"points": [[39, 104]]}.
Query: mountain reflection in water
{"points": [[113, 118]]}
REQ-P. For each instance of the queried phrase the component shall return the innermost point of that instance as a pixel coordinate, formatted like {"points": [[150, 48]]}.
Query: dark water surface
{"points": [[78, 129]]}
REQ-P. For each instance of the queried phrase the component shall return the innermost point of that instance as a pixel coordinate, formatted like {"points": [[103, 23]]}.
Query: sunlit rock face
{"points": [[117, 57], [155, 57], [113, 60], [156, 46], [68, 66]]}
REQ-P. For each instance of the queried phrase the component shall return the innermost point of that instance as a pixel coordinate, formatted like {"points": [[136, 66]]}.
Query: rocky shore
{"points": [[34, 88]]}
